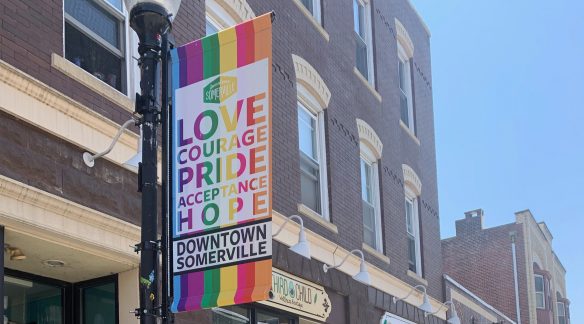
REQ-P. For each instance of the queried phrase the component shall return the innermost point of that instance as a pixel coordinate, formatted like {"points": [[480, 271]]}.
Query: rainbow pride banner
{"points": [[221, 208]]}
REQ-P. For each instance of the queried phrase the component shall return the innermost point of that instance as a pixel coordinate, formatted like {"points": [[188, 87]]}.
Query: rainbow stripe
{"points": [[206, 58]]}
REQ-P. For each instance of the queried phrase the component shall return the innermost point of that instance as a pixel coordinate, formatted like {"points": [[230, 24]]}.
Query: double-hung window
{"points": [[370, 202], [405, 90], [413, 232], [313, 6], [363, 38], [311, 147], [95, 39], [539, 291], [561, 313]]}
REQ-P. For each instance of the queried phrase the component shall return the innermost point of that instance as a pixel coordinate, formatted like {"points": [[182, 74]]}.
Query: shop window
{"points": [[97, 301], [30, 301], [95, 39], [252, 315]]}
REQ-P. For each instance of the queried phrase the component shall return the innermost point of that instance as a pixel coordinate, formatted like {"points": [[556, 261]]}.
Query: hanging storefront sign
{"points": [[298, 296], [221, 168]]}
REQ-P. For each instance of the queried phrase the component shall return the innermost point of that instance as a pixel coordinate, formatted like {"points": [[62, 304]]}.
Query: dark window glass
{"points": [[264, 317], [230, 315], [99, 304], [96, 19], [309, 5], [93, 58], [27, 301]]}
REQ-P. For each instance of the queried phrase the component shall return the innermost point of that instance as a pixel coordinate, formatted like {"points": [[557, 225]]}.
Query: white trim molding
{"points": [[368, 136], [404, 38], [308, 77], [26, 209], [412, 180], [238, 11]]}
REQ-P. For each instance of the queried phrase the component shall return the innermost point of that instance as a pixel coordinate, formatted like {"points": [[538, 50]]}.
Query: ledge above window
{"points": [[80, 75], [311, 18], [409, 131], [306, 211], [419, 279], [367, 84], [375, 253]]}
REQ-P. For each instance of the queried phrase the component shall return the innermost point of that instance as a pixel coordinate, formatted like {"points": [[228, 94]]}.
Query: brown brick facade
{"points": [[31, 33]]}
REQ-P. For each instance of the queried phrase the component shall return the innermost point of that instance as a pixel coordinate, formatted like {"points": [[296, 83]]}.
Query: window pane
{"points": [[539, 287], [99, 304], [361, 55], [561, 309], [265, 317], [307, 133], [412, 260], [366, 193], [410, 217], [230, 315], [309, 4], [95, 19], [539, 300], [116, 3], [356, 22], [92, 57], [309, 183], [369, 228], [404, 109], [32, 302]]}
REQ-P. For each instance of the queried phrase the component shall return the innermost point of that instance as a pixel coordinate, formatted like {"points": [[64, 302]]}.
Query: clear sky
{"points": [[508, 81]]}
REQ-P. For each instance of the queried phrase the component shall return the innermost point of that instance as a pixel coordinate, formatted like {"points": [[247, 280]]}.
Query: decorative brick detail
{"points": [[368, 135], [309, 77]]}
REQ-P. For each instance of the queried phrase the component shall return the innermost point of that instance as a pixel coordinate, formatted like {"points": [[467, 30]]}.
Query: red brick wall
{"points": [[481, 260]]}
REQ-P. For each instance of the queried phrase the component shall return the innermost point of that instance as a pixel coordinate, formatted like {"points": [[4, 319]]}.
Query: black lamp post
{"points": [[151, 19]]}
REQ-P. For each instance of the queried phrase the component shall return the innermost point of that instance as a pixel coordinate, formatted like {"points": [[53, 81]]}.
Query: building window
{"points": [[405, 53], [412, 227], [370, 147], [32, 301], [211, 27], [539, 292], [311, 147], [412, 192], [405, 93], [370, 201], [561, 313], [95, 39], [363, 38], [313, 6], [222, 15], [97, 300]]}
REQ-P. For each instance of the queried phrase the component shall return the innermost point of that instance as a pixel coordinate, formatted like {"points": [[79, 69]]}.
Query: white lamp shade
{"points": [[426, 306], [454, 320], [132, 163], [363, 275], [171, 6], [302, 247]]}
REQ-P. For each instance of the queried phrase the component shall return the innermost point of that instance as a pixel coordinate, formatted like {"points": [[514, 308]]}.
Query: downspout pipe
{"points": [[514, 251]]}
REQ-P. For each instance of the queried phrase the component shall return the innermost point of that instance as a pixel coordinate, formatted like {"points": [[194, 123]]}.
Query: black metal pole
{"points": [[164, 206]]}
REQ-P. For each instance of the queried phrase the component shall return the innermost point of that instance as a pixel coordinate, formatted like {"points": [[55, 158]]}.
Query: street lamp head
{"points": [[150, 18]]}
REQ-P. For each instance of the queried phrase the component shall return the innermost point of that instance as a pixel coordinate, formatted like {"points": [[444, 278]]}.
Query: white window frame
{"points": [[564, 312], [316, 10], [127, 37], [368, 39], [412, 198], [535, 277], [309, 103], [369, 157], [405, 60]]}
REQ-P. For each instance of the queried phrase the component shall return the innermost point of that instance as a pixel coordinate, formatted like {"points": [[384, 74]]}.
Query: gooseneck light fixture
{"points": [[89, 158], [151, 20], [453, 319], [302, 247], [362, 276], [426, 307]]}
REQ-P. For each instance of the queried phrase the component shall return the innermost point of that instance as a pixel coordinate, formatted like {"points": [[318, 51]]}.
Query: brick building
{"points": [[353, 154], [512, 267]]}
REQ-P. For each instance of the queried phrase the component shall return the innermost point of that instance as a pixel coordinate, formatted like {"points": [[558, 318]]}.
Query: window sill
{"points": [[409, 131], [375, 253], [311, 18], [416, 277], [80, 75], [367, 84], [306, 211]]}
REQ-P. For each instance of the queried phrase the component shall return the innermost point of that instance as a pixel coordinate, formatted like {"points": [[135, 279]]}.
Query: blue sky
{"points": [[508, 81]]}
